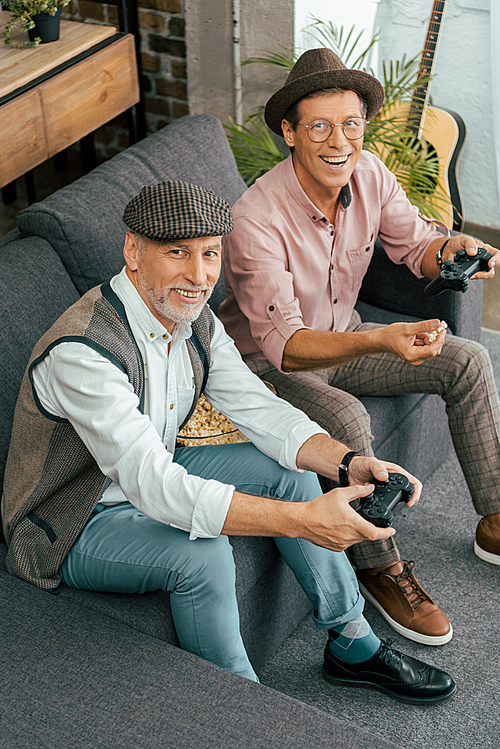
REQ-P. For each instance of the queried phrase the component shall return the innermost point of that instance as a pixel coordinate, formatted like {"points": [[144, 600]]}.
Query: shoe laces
{"points": [[388, 652], [410, 587]]}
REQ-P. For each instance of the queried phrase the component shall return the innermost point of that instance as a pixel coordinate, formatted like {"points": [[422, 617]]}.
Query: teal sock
{"points": [[355, 641]]}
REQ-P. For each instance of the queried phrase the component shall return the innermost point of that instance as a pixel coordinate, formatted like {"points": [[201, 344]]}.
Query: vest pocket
{"points": [[51, 535]]}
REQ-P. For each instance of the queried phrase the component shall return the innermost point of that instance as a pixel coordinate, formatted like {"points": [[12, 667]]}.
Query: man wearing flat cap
{"points": [[303, 239], [107, 502]]}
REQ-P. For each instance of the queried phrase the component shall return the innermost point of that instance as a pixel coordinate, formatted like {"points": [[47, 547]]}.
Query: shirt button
{"points": [[151, 335], [335, 301], [171, 406], [165, 336], [271, 308]]}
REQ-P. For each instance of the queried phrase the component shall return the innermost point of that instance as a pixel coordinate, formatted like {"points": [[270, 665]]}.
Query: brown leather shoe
{"points": [[486, 547], [402, 601]]}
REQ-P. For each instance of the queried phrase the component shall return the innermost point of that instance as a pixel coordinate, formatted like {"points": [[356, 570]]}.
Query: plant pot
{"points": [[46, 27]]}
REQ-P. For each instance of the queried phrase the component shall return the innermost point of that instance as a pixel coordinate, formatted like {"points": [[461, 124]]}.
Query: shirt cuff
{"points": [[273, 345], [210, 510], [294, 441]]}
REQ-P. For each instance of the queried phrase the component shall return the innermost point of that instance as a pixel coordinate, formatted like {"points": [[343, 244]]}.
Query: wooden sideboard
{"points": [[55, 94]]}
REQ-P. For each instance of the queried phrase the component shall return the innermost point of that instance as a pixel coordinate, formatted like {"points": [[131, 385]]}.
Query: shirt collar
{"points": [[296, 190], [150, 326]]}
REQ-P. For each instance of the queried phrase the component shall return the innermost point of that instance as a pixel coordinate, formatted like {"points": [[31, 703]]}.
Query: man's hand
{"points": [[330, 521], [470, 245], [410, 341], [363, 469], [430, 267]]}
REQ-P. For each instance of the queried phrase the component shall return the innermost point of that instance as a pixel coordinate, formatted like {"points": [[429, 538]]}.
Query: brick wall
{"points": [[163, 61]]}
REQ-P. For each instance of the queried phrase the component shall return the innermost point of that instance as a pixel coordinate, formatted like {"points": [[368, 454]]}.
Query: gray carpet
{"points": [[438, 534]]}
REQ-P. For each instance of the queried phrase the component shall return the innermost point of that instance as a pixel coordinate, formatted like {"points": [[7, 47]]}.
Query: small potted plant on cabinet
{"points": [[40, 18]]}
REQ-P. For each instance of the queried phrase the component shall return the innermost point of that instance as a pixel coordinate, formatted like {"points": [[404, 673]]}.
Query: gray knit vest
{"points": [[52, 483]]}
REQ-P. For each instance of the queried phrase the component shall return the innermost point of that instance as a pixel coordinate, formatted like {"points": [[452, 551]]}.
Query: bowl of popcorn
{"points": [[207, 426]]}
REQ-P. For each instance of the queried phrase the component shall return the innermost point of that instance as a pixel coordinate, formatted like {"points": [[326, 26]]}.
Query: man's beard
{"points": [[160, 301]]}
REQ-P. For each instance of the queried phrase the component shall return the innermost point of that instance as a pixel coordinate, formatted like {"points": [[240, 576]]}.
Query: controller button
{"points": [[460, 253]]}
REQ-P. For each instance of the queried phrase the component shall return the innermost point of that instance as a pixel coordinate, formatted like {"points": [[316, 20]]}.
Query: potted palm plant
{"points": [[40, 18], [256, 151]]}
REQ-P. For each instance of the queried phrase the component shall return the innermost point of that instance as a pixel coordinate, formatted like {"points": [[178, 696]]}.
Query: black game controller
{"points": [[455, 275], [378, 506]]}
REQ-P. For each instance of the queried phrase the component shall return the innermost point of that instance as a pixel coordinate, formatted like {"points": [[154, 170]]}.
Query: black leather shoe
{"points": [[400, 676]]}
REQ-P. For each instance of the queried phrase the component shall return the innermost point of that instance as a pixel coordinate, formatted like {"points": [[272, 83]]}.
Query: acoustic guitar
{"points": [[441, 131]]}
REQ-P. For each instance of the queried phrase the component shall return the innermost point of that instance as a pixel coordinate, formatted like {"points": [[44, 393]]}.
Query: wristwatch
{"points": [[344, 468]]}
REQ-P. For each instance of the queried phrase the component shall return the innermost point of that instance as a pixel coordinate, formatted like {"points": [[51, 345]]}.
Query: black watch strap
{"points": [[439, 256], [344, 468]]}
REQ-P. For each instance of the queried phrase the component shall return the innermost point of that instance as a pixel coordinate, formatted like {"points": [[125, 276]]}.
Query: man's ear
{"points": [[131, 251], [288, 133]]}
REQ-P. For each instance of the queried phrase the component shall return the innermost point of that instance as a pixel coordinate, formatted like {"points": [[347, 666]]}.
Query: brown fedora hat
{"points": [[317, 69]]}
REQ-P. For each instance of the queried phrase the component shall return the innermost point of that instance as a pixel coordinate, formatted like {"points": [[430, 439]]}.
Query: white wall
{"points": [[465, 81]]}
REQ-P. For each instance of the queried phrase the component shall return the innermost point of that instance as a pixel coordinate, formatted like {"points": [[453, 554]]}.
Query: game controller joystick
{"points": [[378, 506], [455, 275]]}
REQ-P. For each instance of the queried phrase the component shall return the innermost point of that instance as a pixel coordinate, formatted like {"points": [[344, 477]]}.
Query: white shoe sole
{"points": [[485, 555], [408, 633]]}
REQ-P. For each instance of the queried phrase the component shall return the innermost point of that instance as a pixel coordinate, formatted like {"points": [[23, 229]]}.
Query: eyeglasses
{"points": [[320, 130]]}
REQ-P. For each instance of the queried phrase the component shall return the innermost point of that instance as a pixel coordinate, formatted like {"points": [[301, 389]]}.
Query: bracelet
{"points": [[344, 468], [439, 255]]}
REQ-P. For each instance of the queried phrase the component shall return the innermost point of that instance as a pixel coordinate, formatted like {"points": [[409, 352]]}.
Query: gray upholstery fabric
{"points": [[410, 430], [262, 577], [34, 291], [78, 679], [83, 221]]}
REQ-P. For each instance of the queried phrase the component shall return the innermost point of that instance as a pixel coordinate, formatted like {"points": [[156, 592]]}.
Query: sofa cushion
{"points": [[261, 577], [34, 290], [83, 221], [74, 678]]}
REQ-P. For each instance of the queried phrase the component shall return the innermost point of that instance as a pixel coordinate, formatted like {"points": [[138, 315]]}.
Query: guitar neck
{"points": [[421, 93]]}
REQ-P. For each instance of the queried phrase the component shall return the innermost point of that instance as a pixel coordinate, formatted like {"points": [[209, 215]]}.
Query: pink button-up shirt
{"points": [[287, 267]]}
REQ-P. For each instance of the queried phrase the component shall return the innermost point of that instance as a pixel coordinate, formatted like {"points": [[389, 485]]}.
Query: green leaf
{"points": [[387, 136]]}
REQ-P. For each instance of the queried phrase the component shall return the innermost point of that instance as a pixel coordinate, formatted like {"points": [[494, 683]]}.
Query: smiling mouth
{"points": [[190, 294], [337, 161]]}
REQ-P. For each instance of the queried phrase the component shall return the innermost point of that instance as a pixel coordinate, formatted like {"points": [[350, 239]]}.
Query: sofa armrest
{"points": [[394, 288]]}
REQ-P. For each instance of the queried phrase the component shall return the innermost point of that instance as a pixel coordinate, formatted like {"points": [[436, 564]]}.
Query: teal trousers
{"points": [[122, 550]]}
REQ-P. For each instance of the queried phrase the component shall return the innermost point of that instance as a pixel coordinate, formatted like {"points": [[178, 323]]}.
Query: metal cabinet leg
{"points": [[9, 193]]}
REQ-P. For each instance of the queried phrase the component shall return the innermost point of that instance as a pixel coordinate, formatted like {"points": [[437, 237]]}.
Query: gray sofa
{"points": [[111, 663]]}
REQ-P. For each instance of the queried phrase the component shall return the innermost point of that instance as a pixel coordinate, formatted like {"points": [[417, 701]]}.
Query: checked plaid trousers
{"points": [[462, 375]]}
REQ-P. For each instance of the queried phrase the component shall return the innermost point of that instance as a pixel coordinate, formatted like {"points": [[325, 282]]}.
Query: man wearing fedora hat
{"points": [[294, 263], [108, 502]]}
